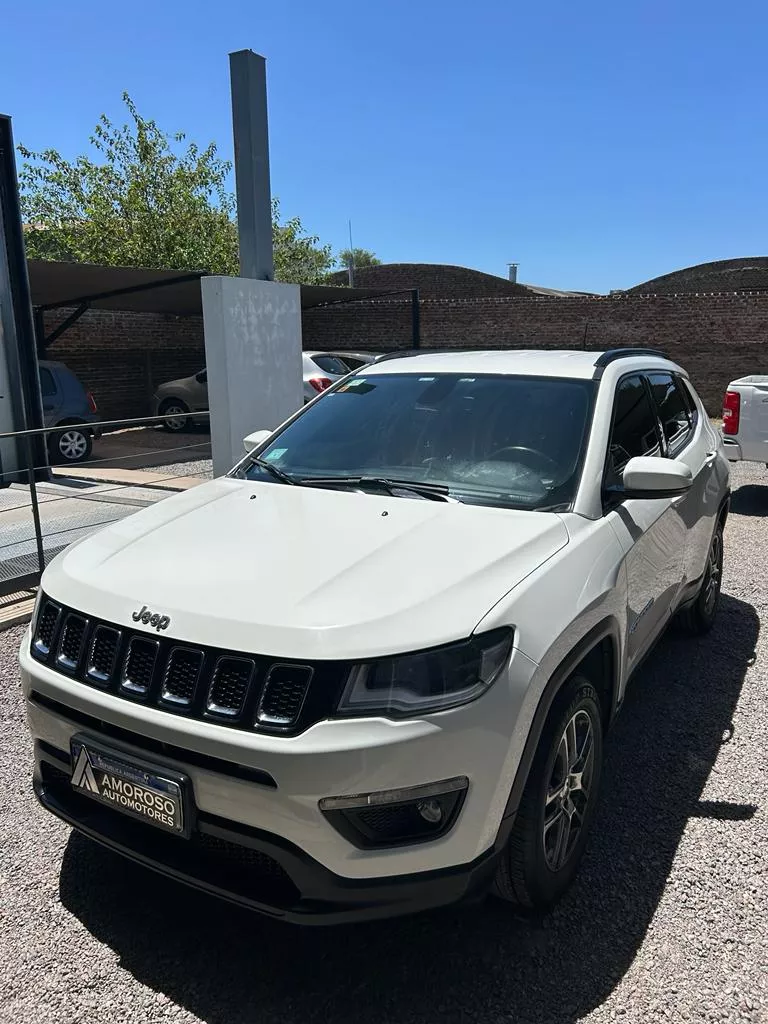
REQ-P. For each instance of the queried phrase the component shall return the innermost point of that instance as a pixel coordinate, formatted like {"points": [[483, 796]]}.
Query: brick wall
{"points": [[716, 337], [122, 356]]}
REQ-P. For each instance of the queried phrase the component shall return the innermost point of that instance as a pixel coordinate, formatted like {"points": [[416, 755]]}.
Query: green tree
{"points": [[148, 199], [362, 258]]}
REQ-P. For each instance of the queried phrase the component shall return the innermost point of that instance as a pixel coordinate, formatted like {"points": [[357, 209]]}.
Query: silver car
{"points": [[185, 400]]}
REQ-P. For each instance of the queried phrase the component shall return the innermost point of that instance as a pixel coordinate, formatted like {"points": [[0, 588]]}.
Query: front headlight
{"points": [[415, 684]]}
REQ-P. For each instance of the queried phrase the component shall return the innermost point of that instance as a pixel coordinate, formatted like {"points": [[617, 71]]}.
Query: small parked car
{"points": [[745, 419], [66, 403], [420, 719], [185, 400]]}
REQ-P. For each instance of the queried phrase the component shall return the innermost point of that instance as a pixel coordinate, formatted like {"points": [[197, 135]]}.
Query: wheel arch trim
{"points": [[607, 628]]}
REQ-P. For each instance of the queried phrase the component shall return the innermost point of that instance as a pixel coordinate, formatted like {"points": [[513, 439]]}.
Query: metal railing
{"points": [[26, 545]]}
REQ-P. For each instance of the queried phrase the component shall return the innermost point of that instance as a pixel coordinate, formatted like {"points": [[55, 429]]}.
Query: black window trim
{"points": [[612, 499], [688, 400]]}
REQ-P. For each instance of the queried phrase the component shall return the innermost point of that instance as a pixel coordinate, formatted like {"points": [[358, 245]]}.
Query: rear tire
{"points": [[552, 824], [179, 410], [699, 617], [69, 445]]}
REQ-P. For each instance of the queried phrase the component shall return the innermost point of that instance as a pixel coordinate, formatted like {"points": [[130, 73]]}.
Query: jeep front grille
{"points": [[47, 621], [229, 686], [71, 642], [283, 694], [233, 688], [139, 665], [181, 675]]}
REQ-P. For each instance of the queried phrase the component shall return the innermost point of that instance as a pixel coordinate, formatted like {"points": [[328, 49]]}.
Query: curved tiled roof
{"points": [[749, 273]]}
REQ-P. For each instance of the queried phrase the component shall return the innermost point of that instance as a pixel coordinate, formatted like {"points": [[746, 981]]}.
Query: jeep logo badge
{"points": [[149, 618]]}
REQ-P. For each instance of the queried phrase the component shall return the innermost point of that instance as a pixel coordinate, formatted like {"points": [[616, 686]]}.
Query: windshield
{"points": [[510, 441]]}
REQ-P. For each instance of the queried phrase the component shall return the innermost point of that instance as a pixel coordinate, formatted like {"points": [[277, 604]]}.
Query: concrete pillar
{"points": [[248, 75], [253, 355]]}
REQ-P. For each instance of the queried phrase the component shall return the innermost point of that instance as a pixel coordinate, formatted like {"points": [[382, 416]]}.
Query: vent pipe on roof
{"points": [[513, 272]]}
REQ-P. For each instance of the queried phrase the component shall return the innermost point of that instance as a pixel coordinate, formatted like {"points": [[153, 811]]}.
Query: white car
{"points": [[420, 719], [745, 419]]}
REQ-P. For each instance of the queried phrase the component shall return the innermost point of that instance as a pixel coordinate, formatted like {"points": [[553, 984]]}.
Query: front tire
{"points": [[550, 832], [699, 617]]}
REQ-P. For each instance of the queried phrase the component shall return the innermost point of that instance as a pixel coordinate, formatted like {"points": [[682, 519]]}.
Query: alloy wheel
{"points": [[713, 573], [568, 790], [73, 445], [176, 420]]}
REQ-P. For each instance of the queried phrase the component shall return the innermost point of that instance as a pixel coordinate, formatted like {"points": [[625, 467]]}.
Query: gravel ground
{"points": [[667, 920], [200, 467]]}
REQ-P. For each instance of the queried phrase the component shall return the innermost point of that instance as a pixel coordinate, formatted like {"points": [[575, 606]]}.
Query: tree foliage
{"points": [[147, 199], [360, 258]]}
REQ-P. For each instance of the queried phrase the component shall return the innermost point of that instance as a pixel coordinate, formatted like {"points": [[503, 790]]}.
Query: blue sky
{"points": [[597, 144]]}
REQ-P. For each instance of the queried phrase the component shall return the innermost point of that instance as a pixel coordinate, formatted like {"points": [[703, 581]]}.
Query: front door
{"points": [[689, 439], [651, 532]]}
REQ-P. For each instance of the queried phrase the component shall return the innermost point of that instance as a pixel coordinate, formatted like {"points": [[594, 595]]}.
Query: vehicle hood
{"points": [[174, 385], [303, 572]]}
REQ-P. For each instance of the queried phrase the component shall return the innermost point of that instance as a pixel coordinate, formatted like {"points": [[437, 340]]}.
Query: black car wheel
{"points": [[177, 412], [69, 444], [551, 827], [699, 617]]}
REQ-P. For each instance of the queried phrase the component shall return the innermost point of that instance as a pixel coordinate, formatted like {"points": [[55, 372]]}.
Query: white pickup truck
{"points": [[745, 419]]}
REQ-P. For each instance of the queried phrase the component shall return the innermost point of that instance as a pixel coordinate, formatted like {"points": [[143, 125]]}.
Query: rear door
{"points": [[52, 395], [649, 530]]}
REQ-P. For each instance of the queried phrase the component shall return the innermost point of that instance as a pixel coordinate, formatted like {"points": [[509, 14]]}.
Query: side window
{"points": [[673, 409], [634, 430], [47, 383]]}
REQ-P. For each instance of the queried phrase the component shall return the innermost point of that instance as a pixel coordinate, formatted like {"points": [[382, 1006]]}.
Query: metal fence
{"points": [[45, 508]]}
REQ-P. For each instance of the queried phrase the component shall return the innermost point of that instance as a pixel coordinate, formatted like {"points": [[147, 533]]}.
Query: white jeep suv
{"points": [[496, 539]]}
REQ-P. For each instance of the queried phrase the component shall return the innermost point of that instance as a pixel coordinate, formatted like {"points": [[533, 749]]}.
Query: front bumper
{"points": [[261, 793], [251, 867]]}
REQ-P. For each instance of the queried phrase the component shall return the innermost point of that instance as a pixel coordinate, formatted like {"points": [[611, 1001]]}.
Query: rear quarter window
{"points": [[330, 364]]}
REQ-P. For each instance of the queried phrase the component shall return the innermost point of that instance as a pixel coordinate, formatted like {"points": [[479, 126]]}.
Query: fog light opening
{"points": [[397, 817], [431, 811]]}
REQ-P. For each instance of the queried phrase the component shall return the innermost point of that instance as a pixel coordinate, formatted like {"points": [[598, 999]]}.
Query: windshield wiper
{"points": [[435, 492], [278, 474]]}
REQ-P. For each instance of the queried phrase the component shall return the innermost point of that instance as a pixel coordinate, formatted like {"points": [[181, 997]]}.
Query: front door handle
{"points": [[710, 458]]}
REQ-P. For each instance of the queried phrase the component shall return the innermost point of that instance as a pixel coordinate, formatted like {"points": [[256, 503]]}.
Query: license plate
{"points": [[149, 793]]}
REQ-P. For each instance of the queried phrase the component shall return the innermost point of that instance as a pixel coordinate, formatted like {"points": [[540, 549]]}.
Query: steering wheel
{"points": [[519, 449]]}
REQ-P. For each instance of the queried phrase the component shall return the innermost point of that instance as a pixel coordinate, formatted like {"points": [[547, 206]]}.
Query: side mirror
{"points": [[255, 439], [650, 476]]}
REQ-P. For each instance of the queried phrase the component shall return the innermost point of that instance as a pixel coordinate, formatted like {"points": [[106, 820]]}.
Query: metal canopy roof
{"points": [[137, 290]]}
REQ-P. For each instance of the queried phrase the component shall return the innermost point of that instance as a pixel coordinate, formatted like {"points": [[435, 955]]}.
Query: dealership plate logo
{"points": [[128, 787], [82, 776]]}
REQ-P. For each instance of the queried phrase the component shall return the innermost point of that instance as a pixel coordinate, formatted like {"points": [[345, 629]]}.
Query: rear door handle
{"points": [[710, 458]]}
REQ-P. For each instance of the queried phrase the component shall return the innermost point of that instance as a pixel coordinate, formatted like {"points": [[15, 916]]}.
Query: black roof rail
{"points": [[406, 352], [612, 354]]}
